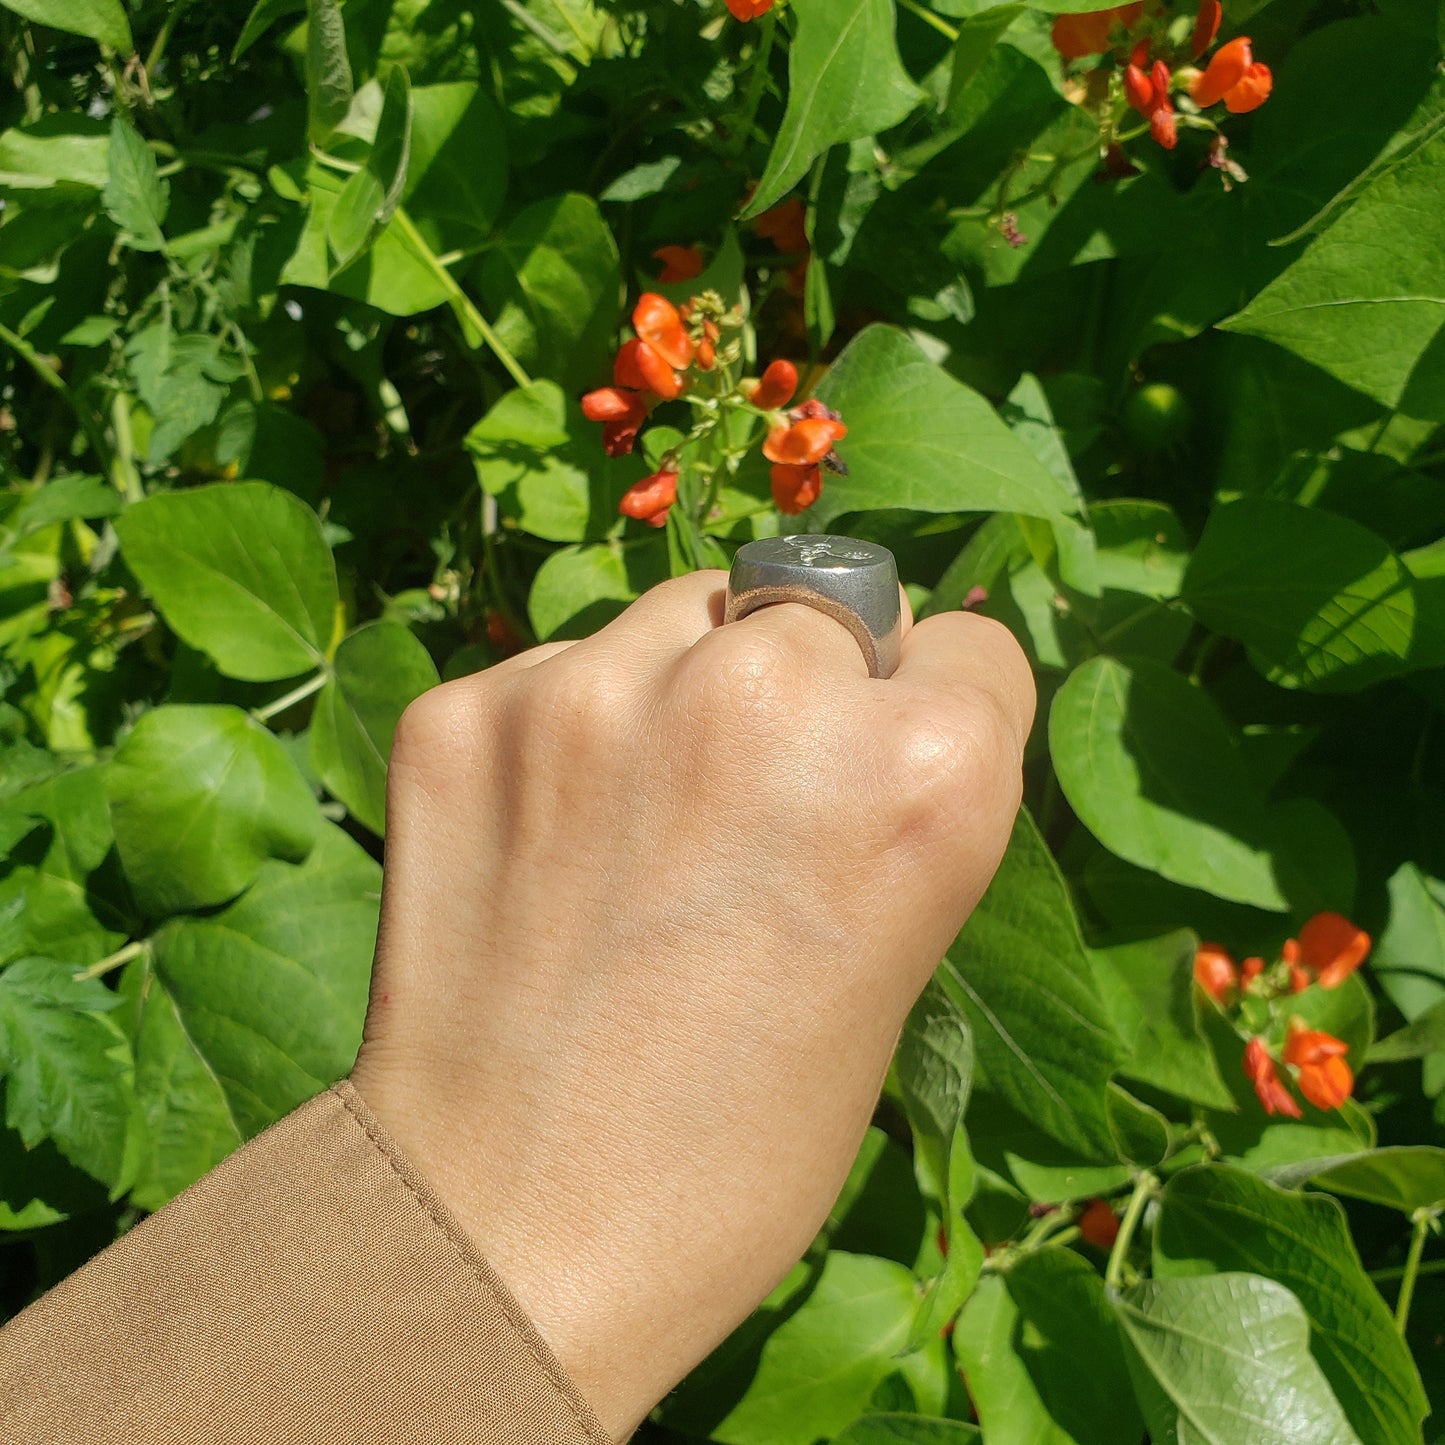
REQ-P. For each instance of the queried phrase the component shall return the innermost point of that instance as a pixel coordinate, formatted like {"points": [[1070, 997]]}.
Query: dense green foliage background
{"points": [[296, 308]]}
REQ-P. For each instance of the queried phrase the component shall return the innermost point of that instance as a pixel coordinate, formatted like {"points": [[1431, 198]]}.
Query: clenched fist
{"points": [[656, 906]]}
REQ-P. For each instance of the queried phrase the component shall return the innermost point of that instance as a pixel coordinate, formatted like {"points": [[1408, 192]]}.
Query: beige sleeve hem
{"points": [[310, 1289]]}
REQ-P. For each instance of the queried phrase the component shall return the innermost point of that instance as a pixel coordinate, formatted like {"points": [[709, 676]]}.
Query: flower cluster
{"points": [[1154, 66], [749, 9], [1328, 950], [673, 350]]}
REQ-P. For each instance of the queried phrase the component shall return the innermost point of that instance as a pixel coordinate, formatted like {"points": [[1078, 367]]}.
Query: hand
{"points": [[656, 905]]}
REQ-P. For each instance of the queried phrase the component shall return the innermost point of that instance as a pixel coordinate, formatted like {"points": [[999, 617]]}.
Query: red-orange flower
{"points": [[1250, 970], [795, 489], [639, 366], [622, 411], [786, 226], [656, 321], [1206, 27], [1273, 1095], [679, 263], [1325, 1079], [1215, 971], [1075, 36], [649, 499], [749, 9], [803, 443], [1235, 77], [1332, 948], [776, 387], [1099, 1225]]}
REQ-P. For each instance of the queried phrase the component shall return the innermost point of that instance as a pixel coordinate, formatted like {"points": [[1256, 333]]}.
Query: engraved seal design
{"points": [[811, 550]]}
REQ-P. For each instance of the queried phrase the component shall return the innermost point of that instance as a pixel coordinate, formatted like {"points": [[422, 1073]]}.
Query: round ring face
{"points": [[854, 582]]}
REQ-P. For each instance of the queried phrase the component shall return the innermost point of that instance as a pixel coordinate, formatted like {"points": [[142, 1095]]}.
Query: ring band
{"points": [[855, 583]]}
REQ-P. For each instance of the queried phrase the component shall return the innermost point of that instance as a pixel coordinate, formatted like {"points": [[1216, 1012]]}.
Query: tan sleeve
{"points": [[310, 1290]]}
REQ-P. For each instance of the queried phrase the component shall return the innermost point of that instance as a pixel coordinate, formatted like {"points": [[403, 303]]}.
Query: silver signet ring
{"points": [[855, 583]]}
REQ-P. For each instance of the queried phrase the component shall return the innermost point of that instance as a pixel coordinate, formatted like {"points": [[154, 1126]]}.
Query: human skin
{"points": [[656, 905]]}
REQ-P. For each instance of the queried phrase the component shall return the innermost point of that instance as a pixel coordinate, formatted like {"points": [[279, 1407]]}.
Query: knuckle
{"points": [[745, 684]]}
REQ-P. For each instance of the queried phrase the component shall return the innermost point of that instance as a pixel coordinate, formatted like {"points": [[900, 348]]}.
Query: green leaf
{"points": [[550, 282], [68, 1069], [1409, 958], [921, 440], [370, 197], [820, 1367], [102, 20], [1417, 1040], [1214, 1219], [62, 500], [182, 379], [458, 174], [1148, 989], [136, 198], [1020, 971], [264, 14], [328, 71], [39, 1186], [72, 900], [1320, 601], [1366, 301], [200, 798], [378, 670], [271, 991], [189, 1127], [1154, 772], [1224, 1360], [906, 1430], [241, 571], [537, 454], [1043, 1358], [845, 80], [579, 589], [1406, 1177], [935, 1069], [61, 149]]}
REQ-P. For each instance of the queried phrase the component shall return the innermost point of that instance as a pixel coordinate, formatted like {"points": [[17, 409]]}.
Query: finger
{"points": [[963, 654], [905, 611], [522, 661], [666, 619], [802, 632]]}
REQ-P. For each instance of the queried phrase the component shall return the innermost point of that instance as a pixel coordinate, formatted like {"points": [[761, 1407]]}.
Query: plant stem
{"points": [[1412, 1269], [474, 324], [303, 690], [756, 81], [1144, 1188], [114, 960], [929, 18]]}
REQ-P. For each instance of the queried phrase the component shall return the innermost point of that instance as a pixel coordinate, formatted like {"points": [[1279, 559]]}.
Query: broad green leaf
{"points": [[68, 1068], [1224, 1360], [1042, 1357], [189, 1127], [264, 14], [62, 500], [1366, 301], [935, 1069], [136, 198], [63, 877], [1148, 989], [240, 571], [579, 589], [1156, 775], [328, 71], [62, 149], [458, 173], [377, 671], [1320, 601], [39, 1186], [820, 1367], [102, 20], [1406, 1177], [369, 198], [921, 440], [1041, 1035], [200, 798], [550, 283], [906, 1430], [537, 454], [182, 380], [1417, 1040], [1409, 958], [1214, 1219], [390, 275], [845, 80], [271, 991]]}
